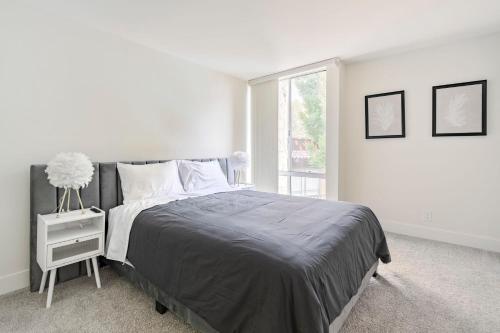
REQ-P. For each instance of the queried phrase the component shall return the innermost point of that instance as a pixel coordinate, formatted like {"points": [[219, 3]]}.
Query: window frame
{"points": [[289, 174]]}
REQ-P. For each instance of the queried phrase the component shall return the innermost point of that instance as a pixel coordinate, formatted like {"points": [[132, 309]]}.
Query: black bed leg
{"points": [[160, 308], [375, 274]]}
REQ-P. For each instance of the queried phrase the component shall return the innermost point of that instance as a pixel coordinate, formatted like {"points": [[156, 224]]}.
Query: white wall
{"points": [[455, 178], [65, 87]]}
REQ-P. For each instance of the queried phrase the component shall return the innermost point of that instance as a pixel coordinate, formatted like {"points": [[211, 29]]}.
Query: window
{"points": [[301, 135]]}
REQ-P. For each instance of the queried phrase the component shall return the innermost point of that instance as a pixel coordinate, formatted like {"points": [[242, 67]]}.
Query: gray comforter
{"points": [[250, 261]]}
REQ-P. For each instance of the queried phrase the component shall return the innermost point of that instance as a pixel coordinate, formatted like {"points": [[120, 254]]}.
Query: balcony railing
{"points": [[300, 183]]}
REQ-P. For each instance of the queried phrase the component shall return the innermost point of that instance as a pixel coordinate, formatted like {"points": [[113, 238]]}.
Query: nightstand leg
{"points": [[52, 280], [42, 284], [89, 272], [96, 272]]}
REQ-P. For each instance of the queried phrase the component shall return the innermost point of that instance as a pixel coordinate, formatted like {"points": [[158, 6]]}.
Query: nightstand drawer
{"points": [[74, 250]]}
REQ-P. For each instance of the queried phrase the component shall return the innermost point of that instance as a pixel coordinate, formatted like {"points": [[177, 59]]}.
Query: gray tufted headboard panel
{"points": [[104, 191]]}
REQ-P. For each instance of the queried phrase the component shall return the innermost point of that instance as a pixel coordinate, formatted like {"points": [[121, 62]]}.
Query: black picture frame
{"points": [[483, 131], [367, 121]]}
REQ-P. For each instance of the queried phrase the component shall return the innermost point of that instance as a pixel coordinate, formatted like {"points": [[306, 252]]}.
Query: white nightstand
{"points": [[250, 187], [69, 238]]}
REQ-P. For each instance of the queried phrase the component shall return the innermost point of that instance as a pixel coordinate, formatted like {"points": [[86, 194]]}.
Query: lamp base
{"points": [[237, 174], [67, 197]]}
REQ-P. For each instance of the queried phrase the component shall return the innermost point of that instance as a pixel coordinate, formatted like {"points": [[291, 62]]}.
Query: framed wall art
{"points": [[459, 109], [385, 115]]}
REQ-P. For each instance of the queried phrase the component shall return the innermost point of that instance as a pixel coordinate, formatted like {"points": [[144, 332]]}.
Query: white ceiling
{"points": [[252, 38]]}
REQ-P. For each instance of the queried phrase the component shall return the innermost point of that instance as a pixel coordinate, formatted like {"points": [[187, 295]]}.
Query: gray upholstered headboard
{"points": [[104, 191]]}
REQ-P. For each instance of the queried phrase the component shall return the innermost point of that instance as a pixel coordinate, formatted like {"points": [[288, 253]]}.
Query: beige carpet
{"points": [[429, 287]]}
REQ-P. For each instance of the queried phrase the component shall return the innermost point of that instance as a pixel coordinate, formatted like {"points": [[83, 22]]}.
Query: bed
{"points": [[242, 261]]}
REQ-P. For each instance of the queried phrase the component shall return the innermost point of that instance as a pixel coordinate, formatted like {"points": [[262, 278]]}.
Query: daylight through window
{"points": [[301, 135]]}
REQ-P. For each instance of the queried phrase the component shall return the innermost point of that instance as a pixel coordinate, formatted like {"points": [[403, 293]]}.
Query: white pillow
{"points": [[199, 176], [148, 181]]}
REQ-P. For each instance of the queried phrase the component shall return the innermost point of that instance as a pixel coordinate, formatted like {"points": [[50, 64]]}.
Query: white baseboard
{"points": [[442, 235], [14, 281]]}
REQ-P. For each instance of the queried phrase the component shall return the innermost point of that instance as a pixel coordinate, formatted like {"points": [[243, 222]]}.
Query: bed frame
{"points": [[164, 302], [105, 192]]}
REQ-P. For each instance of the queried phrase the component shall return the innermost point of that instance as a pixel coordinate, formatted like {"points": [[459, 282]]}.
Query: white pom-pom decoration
{"points": [[70, 170], [239, 160]]}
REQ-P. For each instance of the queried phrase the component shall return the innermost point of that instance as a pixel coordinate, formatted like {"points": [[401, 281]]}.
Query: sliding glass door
{"points": [[301, 135]]}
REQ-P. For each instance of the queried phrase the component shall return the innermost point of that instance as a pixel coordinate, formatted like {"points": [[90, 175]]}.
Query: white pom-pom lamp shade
{"points": [[70, 171], [239, 160]]}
